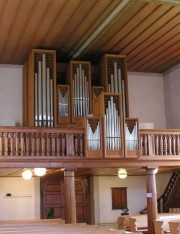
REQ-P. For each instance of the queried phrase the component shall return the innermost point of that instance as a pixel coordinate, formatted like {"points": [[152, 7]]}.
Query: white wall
{"points": [[146, 98], [23, 202], [172, 97], [136, 194], [10, 95]]}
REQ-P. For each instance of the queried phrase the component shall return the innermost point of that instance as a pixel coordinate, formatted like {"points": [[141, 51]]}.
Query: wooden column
{"points": [[69, 196], [151, 198]]}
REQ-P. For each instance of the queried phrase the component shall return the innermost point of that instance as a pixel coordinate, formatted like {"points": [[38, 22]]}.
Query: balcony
{"points": [[60, 147]]}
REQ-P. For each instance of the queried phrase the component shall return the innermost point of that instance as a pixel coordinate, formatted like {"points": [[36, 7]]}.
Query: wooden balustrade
{"points": [[21, 141], [159, 142], [26, 141]]}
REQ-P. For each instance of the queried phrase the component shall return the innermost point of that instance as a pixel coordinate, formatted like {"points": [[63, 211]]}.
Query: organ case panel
{"points": [[131, 137], [79, 78], [96, 90], [108, 106], [63, 104], [114, 77], [42, 88], [93, 136]]}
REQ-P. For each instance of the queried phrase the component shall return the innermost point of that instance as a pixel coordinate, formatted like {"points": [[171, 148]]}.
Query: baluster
{"points": [[161, 145], [32, 144], [22, 144], [177, 145], [1, 143], [17, 143], [81, 145], [37, 144], [169, 145], [165, 145], [49, 145], [63, 144], [53, 144], [145, 145], [141, 144], [76, 144], [156, 145], [58, 144], [5, 143], [27, 144], [11, 144], [43, 144], [173, 145]]}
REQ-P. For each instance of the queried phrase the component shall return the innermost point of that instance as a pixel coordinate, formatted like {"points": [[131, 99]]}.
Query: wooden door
{"points": [[52, 195]]}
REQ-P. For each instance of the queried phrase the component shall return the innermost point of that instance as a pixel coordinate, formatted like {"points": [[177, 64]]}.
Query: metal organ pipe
{"points": [[112, 127], [43, 94], [93, 137], [81, 93], [131, 137]]}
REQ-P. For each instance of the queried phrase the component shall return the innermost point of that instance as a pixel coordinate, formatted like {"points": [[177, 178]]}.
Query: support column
{"points": [[69, 197], [151, 198]]}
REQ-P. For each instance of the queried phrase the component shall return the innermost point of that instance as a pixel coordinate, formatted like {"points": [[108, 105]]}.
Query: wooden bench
{"points": [[161, 225], [9, 227], [139, 223], [174, 226]]}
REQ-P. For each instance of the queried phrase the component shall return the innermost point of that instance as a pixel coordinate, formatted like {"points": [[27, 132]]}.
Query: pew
{"points": [[46, 227], [139, 223], [161, 225], [174, 226]]}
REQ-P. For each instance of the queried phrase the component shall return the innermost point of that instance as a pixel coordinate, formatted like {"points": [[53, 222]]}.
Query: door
{"points": [[52, 196]]}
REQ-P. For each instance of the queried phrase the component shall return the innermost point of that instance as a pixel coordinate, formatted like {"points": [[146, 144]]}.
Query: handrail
{"points": [[34, 141], [159, 142]]}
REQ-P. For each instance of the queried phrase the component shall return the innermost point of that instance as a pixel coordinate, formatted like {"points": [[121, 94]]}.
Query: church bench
{"points": [[138, 223], [174, 226], [161, 224], [58, 229]]}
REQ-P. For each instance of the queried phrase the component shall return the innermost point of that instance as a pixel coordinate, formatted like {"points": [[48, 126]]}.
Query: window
{"points": [[119, 197]]}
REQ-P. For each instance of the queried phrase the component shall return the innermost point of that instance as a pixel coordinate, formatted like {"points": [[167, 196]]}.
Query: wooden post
{"points": [[69, 198], [151, 198]]}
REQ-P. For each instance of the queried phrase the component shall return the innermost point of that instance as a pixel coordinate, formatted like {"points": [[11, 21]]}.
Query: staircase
{"points": [[170, 197]]}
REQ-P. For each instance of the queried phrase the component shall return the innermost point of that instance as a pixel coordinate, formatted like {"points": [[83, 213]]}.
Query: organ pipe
{"points": [[80, 92], [43, 94], [112, 126]]}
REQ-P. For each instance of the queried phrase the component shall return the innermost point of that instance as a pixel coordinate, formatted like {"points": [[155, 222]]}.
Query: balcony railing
{"points": [[159, 142], [21, 141], [70, 142]]}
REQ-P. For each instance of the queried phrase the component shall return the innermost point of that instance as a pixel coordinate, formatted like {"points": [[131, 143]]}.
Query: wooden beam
{"points": [[69, 196], [151, 198]]}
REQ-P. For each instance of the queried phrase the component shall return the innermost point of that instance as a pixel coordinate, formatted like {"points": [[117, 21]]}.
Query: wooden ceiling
{"points": [[131, 171], [146, 31]]}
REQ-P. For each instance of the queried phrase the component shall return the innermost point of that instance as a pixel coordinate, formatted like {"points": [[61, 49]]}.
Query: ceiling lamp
{"points": [[122, 173], [27, 174], [40, 171]]}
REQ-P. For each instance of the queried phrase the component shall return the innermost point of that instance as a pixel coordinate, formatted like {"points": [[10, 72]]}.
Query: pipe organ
{"points": [[102, 112], [114, 77], [80, 82], [44, 114]]}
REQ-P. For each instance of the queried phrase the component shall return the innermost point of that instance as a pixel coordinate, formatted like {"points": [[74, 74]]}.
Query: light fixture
{"points": [[27, 174], [40, 171], [122, 173]]}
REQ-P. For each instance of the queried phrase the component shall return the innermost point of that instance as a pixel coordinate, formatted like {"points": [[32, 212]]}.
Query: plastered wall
{"points": [[146, 98], [172, 97], [23, 201], [136, 195], [10, 95]]}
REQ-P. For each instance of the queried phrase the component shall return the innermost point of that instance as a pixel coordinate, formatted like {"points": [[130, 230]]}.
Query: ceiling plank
{"points": [[149, 27], [158, 39], [136, 19], [154, 52]]}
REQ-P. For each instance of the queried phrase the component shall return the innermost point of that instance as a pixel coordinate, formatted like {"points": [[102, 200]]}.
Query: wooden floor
{"points": [[53, 227]]}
